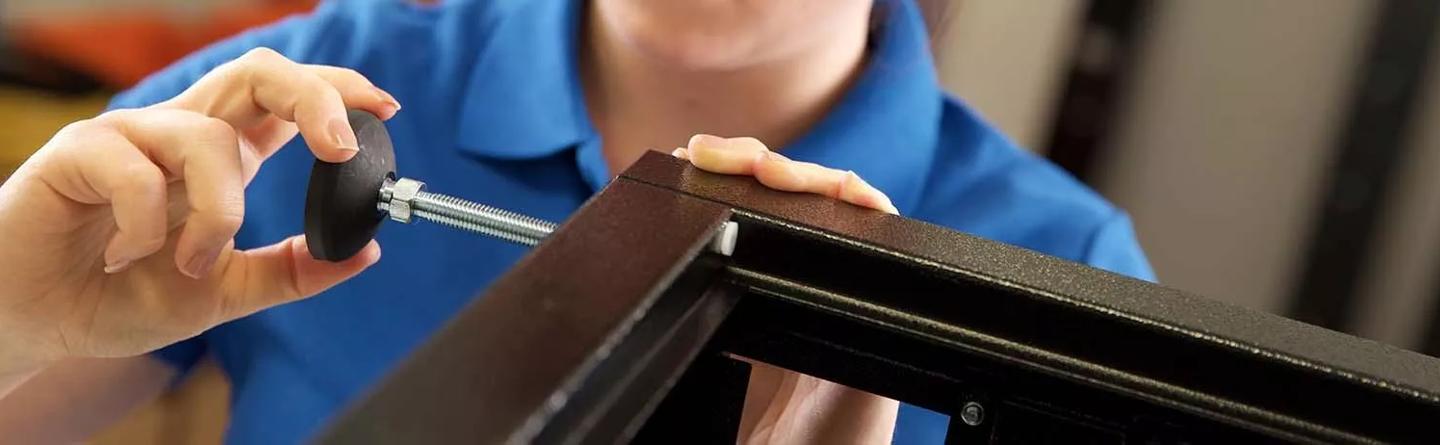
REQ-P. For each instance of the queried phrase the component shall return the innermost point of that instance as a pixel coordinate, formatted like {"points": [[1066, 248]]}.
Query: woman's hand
{"points": [[116, 237], [783, 406], [748, 156]]}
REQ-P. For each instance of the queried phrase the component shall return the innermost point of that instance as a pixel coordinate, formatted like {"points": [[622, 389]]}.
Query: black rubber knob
{"points": [[340, 213]]}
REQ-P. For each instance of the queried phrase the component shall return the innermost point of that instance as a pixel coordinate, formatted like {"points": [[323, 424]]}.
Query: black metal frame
{"points": [[623, 316]]}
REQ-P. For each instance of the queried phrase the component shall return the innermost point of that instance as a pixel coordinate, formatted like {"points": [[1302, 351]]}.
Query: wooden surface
{"points": [[195, 412], [28, 119]]}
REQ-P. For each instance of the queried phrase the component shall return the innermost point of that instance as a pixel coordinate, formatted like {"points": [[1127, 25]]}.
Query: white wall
{"points": [[1225, 135], [1399, 285], [1008, 58]]}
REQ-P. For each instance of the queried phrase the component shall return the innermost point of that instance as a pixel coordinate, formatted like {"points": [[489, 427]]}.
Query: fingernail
{"points": [[708, 141], [342, 135], [200, 263], [391, 105], [879, 200], [681, 153], [882, 203], [863, 183], [387, 97], [117, 267]]}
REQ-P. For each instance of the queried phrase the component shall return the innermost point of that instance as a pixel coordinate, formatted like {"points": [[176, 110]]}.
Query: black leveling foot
{"points": [[341, 213], [347, 201]]}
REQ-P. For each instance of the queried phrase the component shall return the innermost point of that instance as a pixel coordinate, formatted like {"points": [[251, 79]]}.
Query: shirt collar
{"points": [[524, 99]]}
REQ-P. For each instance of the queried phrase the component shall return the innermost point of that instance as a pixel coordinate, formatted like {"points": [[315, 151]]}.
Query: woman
{"points": [[531, 105]]}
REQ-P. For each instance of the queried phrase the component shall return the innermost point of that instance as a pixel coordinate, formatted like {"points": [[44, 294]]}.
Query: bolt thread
{"points": [[475, 217]]}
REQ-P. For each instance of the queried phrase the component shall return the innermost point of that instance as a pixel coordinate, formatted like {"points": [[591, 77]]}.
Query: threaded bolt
{"points": [[405, 198]]}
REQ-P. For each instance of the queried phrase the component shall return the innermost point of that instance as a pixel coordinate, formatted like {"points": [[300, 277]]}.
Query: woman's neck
{"points": [[639, 104]]}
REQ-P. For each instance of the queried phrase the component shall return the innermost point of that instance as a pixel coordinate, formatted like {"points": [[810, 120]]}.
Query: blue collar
{"points": [[524, 100]]}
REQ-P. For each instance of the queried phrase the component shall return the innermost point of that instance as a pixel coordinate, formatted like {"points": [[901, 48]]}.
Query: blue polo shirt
{"points": [[494, 112]]}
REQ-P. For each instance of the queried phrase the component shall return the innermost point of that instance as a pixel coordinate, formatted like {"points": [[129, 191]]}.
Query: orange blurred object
{"points": [[120, 47]]}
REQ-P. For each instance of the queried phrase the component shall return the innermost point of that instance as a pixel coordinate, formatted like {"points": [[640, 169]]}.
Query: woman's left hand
{"points": [[748, 156], [783, 406]]}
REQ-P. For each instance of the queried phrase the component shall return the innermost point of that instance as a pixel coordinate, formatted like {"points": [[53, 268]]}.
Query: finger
{"points": [[748, 156], [113, 171], [780, 173], [731, 156], [260, 141], [856, 191], [205, 153], [355, 88], [284, 272], [280, 87], [290, 92], [138, 205]]}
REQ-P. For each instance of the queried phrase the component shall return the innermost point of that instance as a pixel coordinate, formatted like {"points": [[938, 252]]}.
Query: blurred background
{"points": [[1275, 154]]}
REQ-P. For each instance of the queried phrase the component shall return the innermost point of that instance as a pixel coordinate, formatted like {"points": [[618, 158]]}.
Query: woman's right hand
{"points": [[117, 236]]}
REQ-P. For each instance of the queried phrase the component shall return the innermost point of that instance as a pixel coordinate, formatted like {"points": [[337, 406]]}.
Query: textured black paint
{"points": [[1040, 312], [584, 337], [566, 341]]}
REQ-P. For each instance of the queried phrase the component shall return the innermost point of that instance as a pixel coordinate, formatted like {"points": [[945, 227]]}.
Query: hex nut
{"points": [[401, 195]]}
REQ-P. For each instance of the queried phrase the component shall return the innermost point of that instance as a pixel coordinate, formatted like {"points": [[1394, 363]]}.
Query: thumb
{"points": [[283, 272]]}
